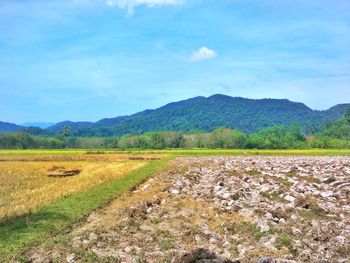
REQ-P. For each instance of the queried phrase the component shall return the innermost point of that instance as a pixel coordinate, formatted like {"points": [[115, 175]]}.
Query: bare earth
{"points": [[222, 209]]}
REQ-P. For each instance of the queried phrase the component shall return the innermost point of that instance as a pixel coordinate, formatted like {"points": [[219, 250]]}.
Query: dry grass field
{"points": [[30, 180], [25, 186], [45, 192], [75, 156]]}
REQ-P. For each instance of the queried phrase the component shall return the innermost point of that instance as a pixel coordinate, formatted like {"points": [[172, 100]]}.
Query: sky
{"points": [[91, 59]]}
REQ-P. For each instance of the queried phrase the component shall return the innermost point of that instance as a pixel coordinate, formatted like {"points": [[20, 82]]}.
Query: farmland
{"points": [[29, 181], [25, 187], [174, 131], [44, 192], [109, 206]]}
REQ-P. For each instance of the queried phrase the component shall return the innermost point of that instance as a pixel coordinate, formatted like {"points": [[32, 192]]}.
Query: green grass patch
{"points": [[284, 240], [21, 233], [250, 229], [252, 172], [285, 182], [272, 195], [314, 212], [167, 243]]}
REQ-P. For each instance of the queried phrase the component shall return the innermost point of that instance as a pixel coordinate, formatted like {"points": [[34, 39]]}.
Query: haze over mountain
{"points": [[204, 114], [42, 125]]}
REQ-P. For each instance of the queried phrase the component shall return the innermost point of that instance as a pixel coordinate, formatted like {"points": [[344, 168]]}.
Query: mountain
{"points": [[339, 129], [9, 127], [205, 114], [337, 111], [41, 125], [201, 113], [36, 131], [57, 128]]}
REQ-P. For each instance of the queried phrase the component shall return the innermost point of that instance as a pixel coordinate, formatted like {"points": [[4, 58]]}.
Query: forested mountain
{"points": [[205, 114], [339, 130], [73, 125], [9, 127]]}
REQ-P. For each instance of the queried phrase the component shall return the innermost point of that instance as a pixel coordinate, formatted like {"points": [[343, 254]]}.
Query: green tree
{"points": [[66, 131], [347, 115], [226, 138]]}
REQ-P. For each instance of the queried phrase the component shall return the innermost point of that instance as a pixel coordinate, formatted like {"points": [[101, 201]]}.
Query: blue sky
{"points": [[90, 59]]}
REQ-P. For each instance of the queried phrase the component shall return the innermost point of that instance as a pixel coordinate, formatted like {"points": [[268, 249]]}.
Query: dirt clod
{"points": [[60, 171]]}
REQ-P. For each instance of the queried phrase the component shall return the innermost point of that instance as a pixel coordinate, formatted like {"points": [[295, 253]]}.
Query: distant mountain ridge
{"points": [[9, 127], [206, 114], [201, 113], [56, 128], [42, 125]]}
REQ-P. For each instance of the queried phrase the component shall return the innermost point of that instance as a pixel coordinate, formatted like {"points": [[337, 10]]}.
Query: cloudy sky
{"points": [[90, 59]]}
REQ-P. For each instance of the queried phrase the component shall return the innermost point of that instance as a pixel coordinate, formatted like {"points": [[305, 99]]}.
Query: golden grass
{"points": [[47, 157], [26, 186]]}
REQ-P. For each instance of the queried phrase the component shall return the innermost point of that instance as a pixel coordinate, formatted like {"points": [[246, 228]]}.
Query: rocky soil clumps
{"points": [[222, 209], [300, 202]]}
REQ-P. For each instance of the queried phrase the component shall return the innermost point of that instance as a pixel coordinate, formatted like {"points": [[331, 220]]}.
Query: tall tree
{"points": [[66, 132]]}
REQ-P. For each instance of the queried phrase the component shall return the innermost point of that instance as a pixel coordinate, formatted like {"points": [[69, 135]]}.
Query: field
{"points": [[27, 186], [43, 192], [240, 204], [29, 181]]}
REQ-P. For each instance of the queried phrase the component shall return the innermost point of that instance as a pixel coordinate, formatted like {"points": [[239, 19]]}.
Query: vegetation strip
{"points": [[21, 233]]}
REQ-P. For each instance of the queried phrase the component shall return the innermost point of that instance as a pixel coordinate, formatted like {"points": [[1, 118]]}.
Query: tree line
{"points": [[21, 140], [277, 137]]}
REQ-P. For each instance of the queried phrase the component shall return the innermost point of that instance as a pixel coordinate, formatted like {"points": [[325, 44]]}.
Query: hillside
{"points": [[339, 129], [9, 127], [201, 113], [73, 125], [205, 114]]}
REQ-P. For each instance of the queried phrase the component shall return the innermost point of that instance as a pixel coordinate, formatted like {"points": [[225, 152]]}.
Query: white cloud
{"points": [[131, 4], [203, 53]]}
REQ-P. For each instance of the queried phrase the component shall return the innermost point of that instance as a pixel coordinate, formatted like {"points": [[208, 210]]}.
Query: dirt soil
{"points": [[221, 209]]}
